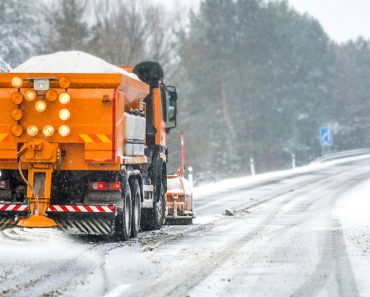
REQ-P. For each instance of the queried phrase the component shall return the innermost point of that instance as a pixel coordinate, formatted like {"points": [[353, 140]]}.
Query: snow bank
{"points": [[353, 212], [69, 62], [236, 183], [355, 209]]}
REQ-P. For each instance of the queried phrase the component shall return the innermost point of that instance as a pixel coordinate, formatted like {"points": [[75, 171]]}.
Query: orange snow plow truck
{"points": [[85, 152]]}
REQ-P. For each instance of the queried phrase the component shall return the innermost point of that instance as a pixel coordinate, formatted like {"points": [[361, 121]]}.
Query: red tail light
{"points": [[117, 186], [103, 186]]}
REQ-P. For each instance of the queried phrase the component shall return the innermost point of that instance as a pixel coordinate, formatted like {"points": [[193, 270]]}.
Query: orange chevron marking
{"points": [[95, 138]]}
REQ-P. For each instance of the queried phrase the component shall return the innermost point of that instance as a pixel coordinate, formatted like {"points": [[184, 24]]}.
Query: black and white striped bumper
{"points": [[72, 219]]}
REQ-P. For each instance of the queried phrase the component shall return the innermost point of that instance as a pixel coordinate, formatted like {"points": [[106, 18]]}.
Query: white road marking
{"points": [[117, 291]]}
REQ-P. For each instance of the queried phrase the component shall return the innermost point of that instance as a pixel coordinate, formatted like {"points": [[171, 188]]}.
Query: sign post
{"points": [[326, 136], [326, 140]]}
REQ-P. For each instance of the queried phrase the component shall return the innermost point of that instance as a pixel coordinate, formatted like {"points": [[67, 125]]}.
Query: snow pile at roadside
{"points": [[353, 212], [69, 62], [226, 185], [355, 208]]}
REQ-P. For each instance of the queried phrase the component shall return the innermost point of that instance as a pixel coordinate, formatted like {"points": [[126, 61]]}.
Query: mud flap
{"points": [[71, 219], [85, 224]]}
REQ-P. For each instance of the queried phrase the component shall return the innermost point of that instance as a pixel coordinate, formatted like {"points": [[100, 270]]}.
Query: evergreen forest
{"points": [[255, 78]]}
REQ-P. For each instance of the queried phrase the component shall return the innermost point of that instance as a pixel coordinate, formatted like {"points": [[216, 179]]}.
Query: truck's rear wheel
{"points": [[160, 208], [136, 207], [124, 216], [153, 219]]}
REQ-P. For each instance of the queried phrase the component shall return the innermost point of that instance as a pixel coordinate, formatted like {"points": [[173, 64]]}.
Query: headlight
{"points": [[40, 106], [32, 130], [17, 98], [16, 114], [30, 95], [64, 130], [64, 114], [16, 130], [64, 98], [48, 130], [51, 95], [17, 82]]}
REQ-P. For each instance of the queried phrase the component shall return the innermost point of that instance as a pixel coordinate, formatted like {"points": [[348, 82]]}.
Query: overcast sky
{"points": [[341, 19]]}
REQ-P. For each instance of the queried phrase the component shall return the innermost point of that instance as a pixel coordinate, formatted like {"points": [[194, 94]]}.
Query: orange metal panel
{"points": [[120, 122], [159, 124], [78, 80], [89, 115], [97, 106]]}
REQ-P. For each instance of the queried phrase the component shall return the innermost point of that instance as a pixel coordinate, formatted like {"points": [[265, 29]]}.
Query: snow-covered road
{"points": [[295, 233]]}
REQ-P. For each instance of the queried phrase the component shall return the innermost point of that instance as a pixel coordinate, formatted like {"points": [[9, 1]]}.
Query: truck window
{"points": [[164, 97]]}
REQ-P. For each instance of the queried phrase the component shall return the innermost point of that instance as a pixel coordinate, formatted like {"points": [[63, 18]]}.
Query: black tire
{"points": [[153, 219], [136, 207], [123, 219], [160, 207]]}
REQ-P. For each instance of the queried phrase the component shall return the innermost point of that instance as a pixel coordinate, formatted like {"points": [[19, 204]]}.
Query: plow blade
{"points": [[179, 201], [71, 219]]}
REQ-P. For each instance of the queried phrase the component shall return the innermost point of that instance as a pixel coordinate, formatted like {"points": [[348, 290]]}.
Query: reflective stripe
{"points": [[106, 209], [11, 207], [103, 138], [2, 136], [86, 138], [94, 209], [82, 208], [62, 208], [70, 208], [76, 208], [95, 138], [58, 208]]}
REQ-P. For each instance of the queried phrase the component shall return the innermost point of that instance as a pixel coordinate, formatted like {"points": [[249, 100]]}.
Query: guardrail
{"points": [[341, 155]]}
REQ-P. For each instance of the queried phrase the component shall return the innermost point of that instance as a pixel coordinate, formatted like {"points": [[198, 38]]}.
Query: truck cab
{"points": [[161, 113]]}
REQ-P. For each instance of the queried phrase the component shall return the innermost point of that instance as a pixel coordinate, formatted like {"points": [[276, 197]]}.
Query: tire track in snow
{"points": [[197, 272], [203, 268], [333, 257], [57, 275], [41, 279], [164, 236]]}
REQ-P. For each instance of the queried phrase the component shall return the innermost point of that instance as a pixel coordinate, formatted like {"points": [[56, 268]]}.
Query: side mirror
{"points": [[172, 107], [172, 92]]}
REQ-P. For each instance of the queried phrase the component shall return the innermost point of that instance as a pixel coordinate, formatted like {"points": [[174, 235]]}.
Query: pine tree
{"points": [[4, 67], [258, 85], [68, 28], [19, 30], [129, 32]]}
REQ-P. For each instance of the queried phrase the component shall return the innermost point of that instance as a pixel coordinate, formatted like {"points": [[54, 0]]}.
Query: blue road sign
{"points": [[326, 137]]}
